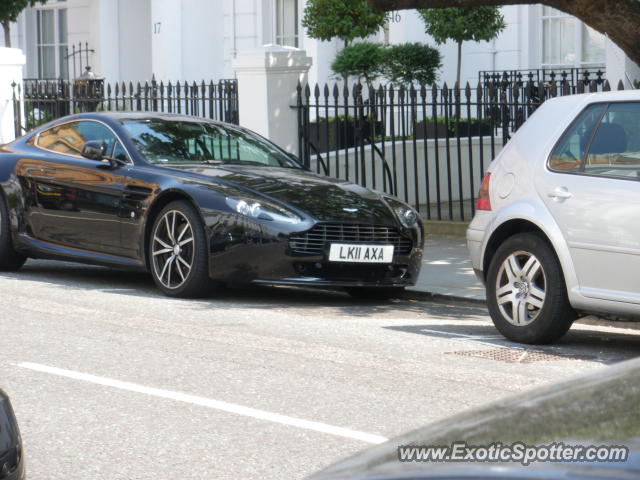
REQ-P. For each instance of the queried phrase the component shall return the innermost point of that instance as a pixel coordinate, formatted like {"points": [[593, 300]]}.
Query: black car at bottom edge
{"points": [[11, 454]]}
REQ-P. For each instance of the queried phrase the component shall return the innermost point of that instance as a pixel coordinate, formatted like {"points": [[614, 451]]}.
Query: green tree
{"points": [[411, 62], [343, 19], [463, 24], [9, 11], [362, 60]]}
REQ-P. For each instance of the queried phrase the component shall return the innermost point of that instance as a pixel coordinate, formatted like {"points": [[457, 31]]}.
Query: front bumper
{"points": [[331, 274], [250, 252]]}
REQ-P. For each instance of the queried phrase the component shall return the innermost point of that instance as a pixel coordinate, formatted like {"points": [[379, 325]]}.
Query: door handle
{"points": [[560, 194]]}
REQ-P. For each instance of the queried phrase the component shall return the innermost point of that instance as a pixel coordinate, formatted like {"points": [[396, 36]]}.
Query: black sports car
{"points": [[197, 203], [11, 457]]}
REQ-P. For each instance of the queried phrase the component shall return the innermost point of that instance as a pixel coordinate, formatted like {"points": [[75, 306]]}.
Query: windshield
{"points": [[164, 142]]}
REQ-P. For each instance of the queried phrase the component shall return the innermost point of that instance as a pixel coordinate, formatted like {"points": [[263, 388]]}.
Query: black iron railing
{"points": [[573, 78], [429, 146], [78, 59], [43, 100]]}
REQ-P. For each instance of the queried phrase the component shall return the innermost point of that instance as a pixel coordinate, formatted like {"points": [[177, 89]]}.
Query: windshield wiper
{"points": [[244, 162], [211, 162], [231, 162]]}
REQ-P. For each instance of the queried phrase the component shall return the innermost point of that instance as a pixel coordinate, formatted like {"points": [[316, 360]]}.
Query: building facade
{"points": [[193, 40]]}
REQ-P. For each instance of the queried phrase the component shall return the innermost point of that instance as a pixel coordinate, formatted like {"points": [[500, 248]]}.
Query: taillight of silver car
{"points": [[484, 202]]}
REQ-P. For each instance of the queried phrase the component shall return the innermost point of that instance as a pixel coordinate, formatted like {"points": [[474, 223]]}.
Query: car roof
{"points": [[612, 96], [122, 116]]}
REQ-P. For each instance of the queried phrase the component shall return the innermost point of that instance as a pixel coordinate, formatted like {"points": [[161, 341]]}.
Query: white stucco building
{"points": [[198, 39]]}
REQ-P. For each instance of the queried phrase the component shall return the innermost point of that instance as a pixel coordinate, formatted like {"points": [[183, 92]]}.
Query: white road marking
{"points": [[209, 403], [472, 338]]}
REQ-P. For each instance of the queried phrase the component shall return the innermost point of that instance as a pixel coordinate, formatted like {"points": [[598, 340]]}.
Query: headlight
{"points": [[260, 210], [406, 215]]}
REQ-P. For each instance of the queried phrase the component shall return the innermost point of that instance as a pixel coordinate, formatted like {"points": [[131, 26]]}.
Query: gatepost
{"points": [[267, 81], [11, 62]]}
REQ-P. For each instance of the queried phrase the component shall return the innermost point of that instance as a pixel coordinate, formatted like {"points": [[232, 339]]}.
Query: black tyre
{"points": [[526, 292], [178, 256], [375, 293], [10, 260]]}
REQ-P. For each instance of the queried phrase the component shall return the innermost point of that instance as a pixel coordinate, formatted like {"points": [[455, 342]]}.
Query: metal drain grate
{"points": [[516, 355]]}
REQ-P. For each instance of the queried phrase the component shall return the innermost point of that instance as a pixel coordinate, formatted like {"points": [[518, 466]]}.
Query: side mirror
{"points": [[94, 150]]}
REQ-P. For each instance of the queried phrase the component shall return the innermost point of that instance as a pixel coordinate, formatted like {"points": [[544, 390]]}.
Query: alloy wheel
{"points": [[173, 249], [520, 288]]}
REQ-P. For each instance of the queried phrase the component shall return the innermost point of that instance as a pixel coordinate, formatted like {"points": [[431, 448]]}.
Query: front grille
{"points": [[353, 272], [315, 241]]}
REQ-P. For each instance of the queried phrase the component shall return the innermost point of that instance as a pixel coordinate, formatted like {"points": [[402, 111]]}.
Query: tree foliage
{"points": [[618, 19], [343, 19], [362, 60], [463, 24], [411, 62], [9, 11]]}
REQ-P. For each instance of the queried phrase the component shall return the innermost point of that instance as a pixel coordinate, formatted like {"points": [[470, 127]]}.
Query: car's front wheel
{"points": [[526, 292], [178, 252], [10, 260]]}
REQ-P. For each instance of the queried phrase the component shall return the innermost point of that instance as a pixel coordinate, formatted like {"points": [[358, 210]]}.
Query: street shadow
{"points": [[139, 284], [583, 343], [586, 342], [89, 277]]}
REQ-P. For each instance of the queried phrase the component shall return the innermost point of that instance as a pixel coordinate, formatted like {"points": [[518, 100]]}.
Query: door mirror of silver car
{"points": [[94, 150]]}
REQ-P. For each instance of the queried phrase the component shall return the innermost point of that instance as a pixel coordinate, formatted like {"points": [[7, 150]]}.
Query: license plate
{"points": [[344, 252]]}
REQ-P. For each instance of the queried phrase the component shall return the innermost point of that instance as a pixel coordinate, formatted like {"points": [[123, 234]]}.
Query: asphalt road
{"points": [[110, 380]]}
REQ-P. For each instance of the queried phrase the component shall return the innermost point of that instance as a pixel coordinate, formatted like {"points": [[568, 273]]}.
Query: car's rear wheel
{"points": [[178, 252], [375, 293], [526, 292], [10, 260]]}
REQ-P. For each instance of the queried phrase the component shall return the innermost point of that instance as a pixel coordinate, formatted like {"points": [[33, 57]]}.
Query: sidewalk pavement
{"points": [[446, 270]]}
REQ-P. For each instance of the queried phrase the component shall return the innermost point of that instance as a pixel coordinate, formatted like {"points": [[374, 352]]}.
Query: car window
{"points": [[69, 138], [163, 141], [569, 153], [120, 153], [615, 148]]}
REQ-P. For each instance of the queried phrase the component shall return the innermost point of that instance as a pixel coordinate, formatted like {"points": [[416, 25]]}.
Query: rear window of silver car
{"points": [[604, 141]]}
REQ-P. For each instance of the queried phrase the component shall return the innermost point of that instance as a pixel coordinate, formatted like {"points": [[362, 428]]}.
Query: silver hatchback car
{"points": [[557, 228]]}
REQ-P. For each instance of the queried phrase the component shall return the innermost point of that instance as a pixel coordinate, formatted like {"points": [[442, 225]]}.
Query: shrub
{"points": [[362, 60], [469, 126], [411, 62]]}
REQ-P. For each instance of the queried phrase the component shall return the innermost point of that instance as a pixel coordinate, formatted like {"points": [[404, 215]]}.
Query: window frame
{"points": [[582, 171], [54, 6], [278, 11], [578, 42], [36, 139]]}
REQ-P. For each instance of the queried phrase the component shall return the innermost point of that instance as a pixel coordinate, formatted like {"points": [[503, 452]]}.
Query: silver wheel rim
{"points": [[520, 288], [173, 249]]}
